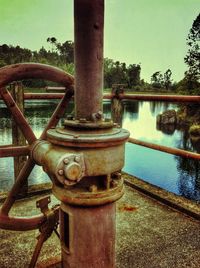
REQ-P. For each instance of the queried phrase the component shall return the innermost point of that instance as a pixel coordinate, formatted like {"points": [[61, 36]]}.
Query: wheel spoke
{"points": [[58, 113], [18, 116], [11, 150], [21, 179], [18, 72]]}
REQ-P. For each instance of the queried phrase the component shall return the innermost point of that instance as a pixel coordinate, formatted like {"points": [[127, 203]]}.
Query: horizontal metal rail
{"points": [[165, 149], [168, 98], [145, 97], [12, 150], [149, 97], [43, 96]]}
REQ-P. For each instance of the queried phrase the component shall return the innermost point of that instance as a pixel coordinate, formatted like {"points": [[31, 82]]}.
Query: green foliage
{"points": [[188, 85], [118, 73], [56, 57], [167, 79], [11, 54], [162, 81], [192, 59], [157, 80], [133, 73]]}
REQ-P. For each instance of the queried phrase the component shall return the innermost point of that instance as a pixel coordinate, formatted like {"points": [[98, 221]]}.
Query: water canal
{"points": [[175, 174]]}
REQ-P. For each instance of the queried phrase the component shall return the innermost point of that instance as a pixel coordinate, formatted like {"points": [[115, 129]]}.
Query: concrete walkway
{"points": [[149, 234]]}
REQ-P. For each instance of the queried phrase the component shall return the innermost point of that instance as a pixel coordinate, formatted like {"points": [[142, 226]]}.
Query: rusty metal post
{"points": [[117, 106], [17, 136], [88, 236], [84, 158], [88, 233], [89, 24]]}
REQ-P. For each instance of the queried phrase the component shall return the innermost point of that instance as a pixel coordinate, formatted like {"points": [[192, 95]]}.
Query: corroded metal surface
{"points": [[21, 224], [87, 139], [90, 194], [89, 239], [162, 148], [47, 228], [22, 71], [153, 97], [57, 161], [17, 115], [7, 75], [88, 24], [10, 150]]}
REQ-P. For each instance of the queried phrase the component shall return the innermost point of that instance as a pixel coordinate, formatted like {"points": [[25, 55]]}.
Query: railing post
{"points": [[117, 107], [18, 138]]}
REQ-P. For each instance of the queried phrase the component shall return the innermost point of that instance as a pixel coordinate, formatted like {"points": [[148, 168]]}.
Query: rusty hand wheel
{"points": [[9, 74]]}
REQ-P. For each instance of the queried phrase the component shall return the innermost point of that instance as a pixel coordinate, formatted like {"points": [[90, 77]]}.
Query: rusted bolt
{"points": [[60, 172], [73, 171], [93, 188], [99, 115], [66, 161], [113, 183], [77, 159]]}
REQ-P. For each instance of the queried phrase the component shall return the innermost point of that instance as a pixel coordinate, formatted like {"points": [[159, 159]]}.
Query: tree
{"points": [[66, 51], [192, 58], [114, 73], [157, 80], [52, 41], [167, 79], [134, 75]]}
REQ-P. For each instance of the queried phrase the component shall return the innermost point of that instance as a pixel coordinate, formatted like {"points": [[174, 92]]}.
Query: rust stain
{"points": [[127, 207]]}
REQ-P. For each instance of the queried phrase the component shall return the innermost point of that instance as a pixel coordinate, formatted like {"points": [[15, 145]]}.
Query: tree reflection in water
{"points": [[189, 169]]}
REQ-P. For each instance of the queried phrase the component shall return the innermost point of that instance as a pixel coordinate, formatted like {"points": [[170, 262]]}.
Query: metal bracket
{"points": [[46, 229]]}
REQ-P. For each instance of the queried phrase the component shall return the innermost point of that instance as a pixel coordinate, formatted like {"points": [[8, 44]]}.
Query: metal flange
{"points": [[82, 138]]}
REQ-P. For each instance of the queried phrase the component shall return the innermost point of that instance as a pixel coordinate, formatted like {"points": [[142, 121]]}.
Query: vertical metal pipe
{"points": [[88, 236], [89, 25]]}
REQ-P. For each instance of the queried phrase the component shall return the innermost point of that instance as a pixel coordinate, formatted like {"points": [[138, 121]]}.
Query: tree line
{"points": [[115, 72], [62, 56]]}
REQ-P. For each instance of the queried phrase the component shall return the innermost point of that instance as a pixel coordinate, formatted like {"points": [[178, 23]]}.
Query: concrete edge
{"points": [[186, 206]]}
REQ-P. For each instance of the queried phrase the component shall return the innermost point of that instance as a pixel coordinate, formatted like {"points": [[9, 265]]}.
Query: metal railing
{"points": [[168, 98], [9, 150]]}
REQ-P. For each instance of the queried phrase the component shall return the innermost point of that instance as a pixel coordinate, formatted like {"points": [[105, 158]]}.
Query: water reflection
{"points": [[189, 169], [172, 173]]}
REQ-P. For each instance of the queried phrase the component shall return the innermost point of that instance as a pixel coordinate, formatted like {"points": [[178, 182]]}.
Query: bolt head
{"points": [[73, 171], [77, 159], [66, 161], [60, 172]]}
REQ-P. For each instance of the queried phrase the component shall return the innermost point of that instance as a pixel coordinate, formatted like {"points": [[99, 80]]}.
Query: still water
{"points": [[173, 173]]}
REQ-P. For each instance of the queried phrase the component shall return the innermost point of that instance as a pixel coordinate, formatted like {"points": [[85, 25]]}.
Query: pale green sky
{"points": [[150, 32]]}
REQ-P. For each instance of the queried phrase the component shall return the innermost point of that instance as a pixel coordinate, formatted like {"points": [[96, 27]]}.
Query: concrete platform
{"points": [[149, 234]]}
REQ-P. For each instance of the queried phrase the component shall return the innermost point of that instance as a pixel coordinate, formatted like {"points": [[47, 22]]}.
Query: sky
{"points": [[148, 32]]}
